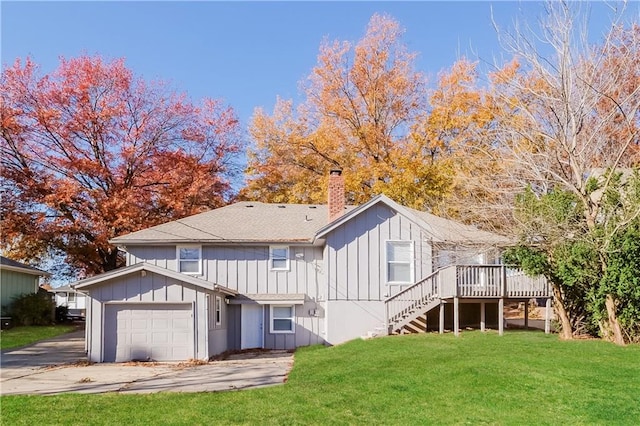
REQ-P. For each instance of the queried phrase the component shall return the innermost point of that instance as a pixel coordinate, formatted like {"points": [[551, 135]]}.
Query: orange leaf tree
{"points": [[91, 151]]}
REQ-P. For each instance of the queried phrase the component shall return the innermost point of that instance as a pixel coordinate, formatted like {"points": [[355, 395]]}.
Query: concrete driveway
{"points": [[59, 365]]}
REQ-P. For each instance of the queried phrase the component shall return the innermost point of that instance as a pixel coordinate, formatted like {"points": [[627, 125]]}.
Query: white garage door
{"points": [[160, 332]]}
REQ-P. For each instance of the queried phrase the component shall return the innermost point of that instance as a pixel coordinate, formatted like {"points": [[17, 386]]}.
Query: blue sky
{"points": [[246, 53]]}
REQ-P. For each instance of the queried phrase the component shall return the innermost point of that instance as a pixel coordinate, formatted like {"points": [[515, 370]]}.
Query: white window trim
{"points": [[199, 258], [292, 318], [217, 311], [411, 261], [271, 267]]}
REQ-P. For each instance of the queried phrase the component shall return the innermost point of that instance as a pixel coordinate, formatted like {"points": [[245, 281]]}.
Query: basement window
{"points": [[190, 260], [282, 319]]}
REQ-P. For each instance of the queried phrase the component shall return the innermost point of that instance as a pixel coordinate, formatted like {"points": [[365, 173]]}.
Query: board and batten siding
{"points": [[356, 254], [308, 329], [245, 269], [147, 288], [356, 270]]}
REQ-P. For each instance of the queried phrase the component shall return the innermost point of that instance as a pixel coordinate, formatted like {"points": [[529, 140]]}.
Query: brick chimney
{"points": [[335, 200]]}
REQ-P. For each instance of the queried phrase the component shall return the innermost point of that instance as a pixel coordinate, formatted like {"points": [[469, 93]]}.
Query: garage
{"points": [[146, 312], [158, 332]]}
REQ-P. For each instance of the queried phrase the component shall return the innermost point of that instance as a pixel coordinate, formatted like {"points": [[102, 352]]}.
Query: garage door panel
{"points": [[160, 323], [180, 324], [159, 332], [138, 324]]}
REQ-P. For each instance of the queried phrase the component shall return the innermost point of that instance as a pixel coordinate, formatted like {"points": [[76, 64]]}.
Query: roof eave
{"points": [[143, 266], [30, 271], [124, 244]]}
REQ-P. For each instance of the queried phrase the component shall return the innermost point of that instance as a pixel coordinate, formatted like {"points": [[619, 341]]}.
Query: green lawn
{"points": [[20, 336], [518, 379]]}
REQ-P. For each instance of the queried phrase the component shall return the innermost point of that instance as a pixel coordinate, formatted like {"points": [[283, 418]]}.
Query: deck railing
{"points": [[490, 281], [469, 281]]}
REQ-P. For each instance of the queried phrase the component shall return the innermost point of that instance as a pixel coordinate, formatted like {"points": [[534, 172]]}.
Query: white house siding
{"points": [[62, 299], [146, 289]]}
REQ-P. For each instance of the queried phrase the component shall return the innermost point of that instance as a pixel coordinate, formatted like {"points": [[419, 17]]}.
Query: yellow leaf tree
{"points": [[362, 102]]}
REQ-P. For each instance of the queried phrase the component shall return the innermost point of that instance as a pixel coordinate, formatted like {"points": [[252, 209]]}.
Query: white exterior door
{"points": [[252, 318], [162, 332]]}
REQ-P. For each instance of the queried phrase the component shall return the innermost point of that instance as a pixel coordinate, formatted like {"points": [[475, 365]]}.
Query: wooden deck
{"points": [[456, 282]]}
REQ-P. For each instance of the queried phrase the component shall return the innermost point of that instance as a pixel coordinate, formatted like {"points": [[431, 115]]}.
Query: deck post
{"points": [[387, 326], [482, 316], [456, 316], [503, 278], [501, 316], [547, 317], [526, 315], [441, 319]]}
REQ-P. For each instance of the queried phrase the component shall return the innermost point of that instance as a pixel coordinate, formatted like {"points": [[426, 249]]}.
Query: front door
{"points": [[251, 332]]}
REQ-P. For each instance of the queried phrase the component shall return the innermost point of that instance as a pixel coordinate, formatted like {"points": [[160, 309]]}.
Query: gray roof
{"points": [[438, 228], [455, 232], [239, 222], [10, 264], [63, 289], [255, 222]]}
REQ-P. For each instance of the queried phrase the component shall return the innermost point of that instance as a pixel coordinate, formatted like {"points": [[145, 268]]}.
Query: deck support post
{"points": [[456, 316], [482, 317], [547, 317], [441, 318], [526, 315], [501, 316]]}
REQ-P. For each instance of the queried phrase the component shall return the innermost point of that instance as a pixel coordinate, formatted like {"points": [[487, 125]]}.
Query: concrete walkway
{"points": [[59, 365]]}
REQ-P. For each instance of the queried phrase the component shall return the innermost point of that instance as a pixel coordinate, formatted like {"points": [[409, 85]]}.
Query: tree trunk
{"points": [[612, 328], [111, 260], [565, 322]]}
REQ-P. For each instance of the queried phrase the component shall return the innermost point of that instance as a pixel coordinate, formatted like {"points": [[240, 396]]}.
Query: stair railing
{"points": [[411, 299]]}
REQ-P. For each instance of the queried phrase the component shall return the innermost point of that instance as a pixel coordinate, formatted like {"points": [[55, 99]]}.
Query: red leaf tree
{"points": [[91, 151]]}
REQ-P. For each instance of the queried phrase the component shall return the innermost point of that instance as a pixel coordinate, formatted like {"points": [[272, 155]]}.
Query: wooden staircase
{"points": [[404, 309]]}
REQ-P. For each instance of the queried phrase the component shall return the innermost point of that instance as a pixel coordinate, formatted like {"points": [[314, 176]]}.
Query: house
{"points": [[280, 276], [17, 279], [72, 299]]}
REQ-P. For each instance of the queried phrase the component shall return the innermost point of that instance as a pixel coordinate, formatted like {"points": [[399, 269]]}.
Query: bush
{"points": [[32, 309]]}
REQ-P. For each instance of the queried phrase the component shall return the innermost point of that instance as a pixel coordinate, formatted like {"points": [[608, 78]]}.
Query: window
{"points": [[189, 259], [218, 310], [400, 262], [72, 297], [282, 319], [279, 258]]}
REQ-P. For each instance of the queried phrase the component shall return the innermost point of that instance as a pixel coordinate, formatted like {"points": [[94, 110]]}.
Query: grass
{"points": [[519, 378], [20, 336]]}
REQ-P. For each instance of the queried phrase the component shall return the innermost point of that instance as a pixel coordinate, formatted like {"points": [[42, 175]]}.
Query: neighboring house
{"points": [[72, 299], [280, 276], [17, 279]]}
